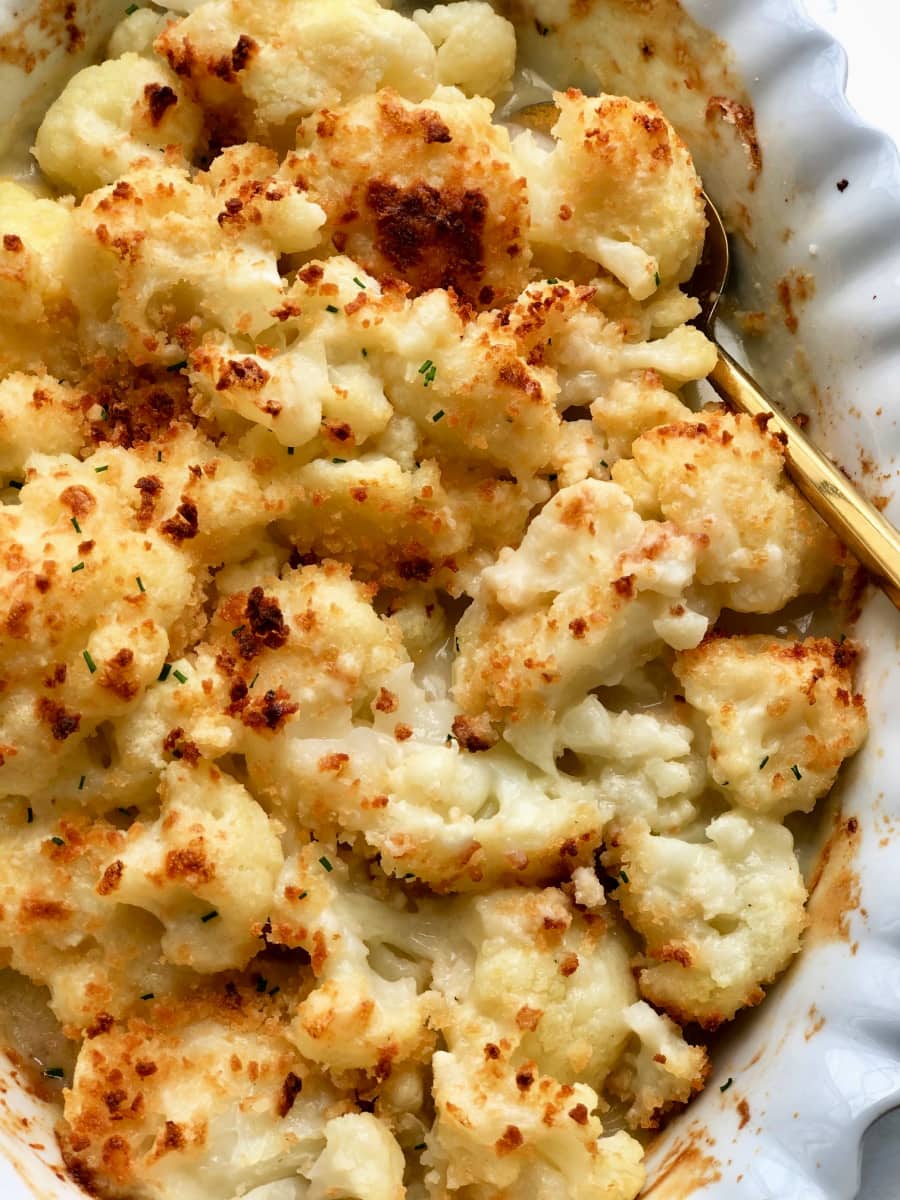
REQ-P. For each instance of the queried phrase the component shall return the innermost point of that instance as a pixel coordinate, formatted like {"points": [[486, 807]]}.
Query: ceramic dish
{"points": [[821, 1059]]}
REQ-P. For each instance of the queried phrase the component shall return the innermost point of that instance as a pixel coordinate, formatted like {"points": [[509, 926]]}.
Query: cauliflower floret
{"points": [[618, 187], [88, 602], [494, 1137], [319, 381], [110, 117], [719, 918], [468, 388], [591, 594], [354, 1018], [642, 763], [525, 970], [37, 283], [721, 477], [476, 47], [160, 267], [136, 33], [781, 717], [272, 64], [428, 193], [57, 928], [307, 649], [203, 1097], [361, 1161], [206, 868], [403, 527], [455, 820], [660, 1071], [37, 410], [632, 406]]}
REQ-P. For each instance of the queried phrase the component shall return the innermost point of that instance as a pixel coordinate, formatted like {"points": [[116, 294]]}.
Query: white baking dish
{"points": [[821, 1058]]}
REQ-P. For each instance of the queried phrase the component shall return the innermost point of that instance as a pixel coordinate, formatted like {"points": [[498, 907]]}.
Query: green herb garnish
{"points": [[78, 567], [727, 1084], [332, 308], [210, 916], [177, 366], [325, 863], [180, 676], [81, 783], [91, 665], [58, 841], [29, 815], [796, 771], [763, 762], [359, 283], [438, 415], [164, 673], [140, 583], [148, 996], [75, 525], [55, 1073]]}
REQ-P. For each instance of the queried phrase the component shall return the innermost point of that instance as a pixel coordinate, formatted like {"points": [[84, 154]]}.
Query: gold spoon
{"points": [[870, 537]]}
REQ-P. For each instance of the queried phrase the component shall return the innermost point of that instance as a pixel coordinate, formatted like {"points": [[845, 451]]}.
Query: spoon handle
{"points": [[870, 537]]}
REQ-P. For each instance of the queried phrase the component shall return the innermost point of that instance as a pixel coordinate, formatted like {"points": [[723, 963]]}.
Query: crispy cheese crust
{"points": [[381, 791]]}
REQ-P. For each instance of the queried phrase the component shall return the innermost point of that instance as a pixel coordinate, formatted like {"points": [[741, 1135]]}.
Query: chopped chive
{"points": [[159, 456], [604, 463], [180, 676], [763, 762], [104, 413], [58, 841], [365, 352], [325, 863], [177, 366], [237, 629], [55, 1073], [623, 876], [16, 484], [359, 283], [81, 783], [132, 8], [148, 995], [164, 673], [332, 308], [29, 815], [75, 525], [426, 366], [727, 1084], [656, 278], [419, 1146], [140, 583], [261, 983], [290, 450], [430, 374], [210, 916], [91, 665], [275, 990], [254, 679], [456, 644], [553, 281], [100, 470], [303, 895], [338, 461], [78, 567], [437, 416], [796, 771]]}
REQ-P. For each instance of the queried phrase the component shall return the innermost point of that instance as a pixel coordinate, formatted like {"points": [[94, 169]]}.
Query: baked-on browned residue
{"points": [[792, 289], [835, 886], [686, 1167]]}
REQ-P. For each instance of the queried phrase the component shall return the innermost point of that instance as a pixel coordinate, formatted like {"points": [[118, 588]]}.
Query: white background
{"points": [[869, 30]]}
